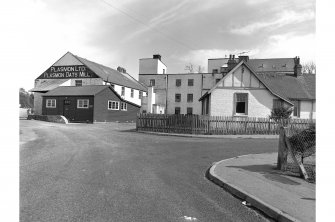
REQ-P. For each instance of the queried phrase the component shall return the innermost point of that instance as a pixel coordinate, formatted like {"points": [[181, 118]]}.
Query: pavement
{"points": [[255, 179]]}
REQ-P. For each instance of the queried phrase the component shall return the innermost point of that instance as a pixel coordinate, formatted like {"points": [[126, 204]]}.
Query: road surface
{"points": [[109, 172]]}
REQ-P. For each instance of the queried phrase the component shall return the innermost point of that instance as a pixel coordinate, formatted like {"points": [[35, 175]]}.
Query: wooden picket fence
{"points": [[213, 125]]}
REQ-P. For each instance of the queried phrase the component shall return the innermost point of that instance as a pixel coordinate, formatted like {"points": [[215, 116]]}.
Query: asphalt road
{"points": [[108, 172]]}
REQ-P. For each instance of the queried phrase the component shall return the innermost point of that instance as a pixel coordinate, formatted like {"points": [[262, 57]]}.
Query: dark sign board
{"points": [[68, 72]]}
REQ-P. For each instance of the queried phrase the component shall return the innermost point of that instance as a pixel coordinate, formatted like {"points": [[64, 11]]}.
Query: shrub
{"points": [[281, 114]]}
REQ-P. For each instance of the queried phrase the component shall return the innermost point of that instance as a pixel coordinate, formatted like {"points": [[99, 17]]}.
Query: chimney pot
{"points": [[157, 56]]}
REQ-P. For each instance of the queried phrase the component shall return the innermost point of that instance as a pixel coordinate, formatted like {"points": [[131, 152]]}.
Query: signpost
{"points": [[68, 72]]}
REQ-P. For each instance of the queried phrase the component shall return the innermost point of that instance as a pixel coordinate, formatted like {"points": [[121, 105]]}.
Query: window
{"points": [[152, 82], [82, 103], [296, 111], [190, 98], [123, 106], [140, 95], [215, 70], [163, 71], [113, 105], [190, 82], [178, 82], [177, 110], [78, 82], [51, 103], [189, 111], [217, 80], [132, 93], [241, 103], [177, 97], [122, 91]]}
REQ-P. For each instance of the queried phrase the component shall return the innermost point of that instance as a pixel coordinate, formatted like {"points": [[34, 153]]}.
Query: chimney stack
{"points": [[297, 67], [121, 69], [231, 62], [157, 56], [244, 58]]}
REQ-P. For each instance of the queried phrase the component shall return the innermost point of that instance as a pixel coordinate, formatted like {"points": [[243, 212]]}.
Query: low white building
{"points": [[245, 93]]}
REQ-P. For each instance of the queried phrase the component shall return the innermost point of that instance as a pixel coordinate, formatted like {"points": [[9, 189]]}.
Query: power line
{"points": [[152, 28]]}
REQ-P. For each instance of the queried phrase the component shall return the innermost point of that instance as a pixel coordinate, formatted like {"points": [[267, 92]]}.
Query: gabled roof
{"points": [[291, 87], [88, 90], [111, 75], [48, 85], [251, 71], [284, 65]]}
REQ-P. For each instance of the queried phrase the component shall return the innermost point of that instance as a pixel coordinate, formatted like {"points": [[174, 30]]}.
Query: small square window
{"points": [[51, 103], [113, 105], [215, 70], [178, 82], [78, 82], [82, 103], [152, 82], [190, 98], [190, 82], [140, 95], [132, 93], [178, 97], [189, 111], [123, 106], [123, 91], [177, 110]]}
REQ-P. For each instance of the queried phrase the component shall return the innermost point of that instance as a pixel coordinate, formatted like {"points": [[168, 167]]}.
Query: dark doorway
{"points": [[69, 109]]}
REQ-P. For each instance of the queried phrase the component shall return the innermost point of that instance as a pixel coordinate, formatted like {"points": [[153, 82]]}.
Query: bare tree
{"points": [[309, 67], [191, 68]]}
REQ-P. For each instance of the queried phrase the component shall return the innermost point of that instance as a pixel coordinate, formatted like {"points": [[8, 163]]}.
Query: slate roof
{"points": [[48, 85], [111, 75], [89, 90], [290, 87], [287, 87], [272, 65]]}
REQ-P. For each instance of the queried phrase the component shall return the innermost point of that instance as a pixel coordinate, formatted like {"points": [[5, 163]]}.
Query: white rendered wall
{"points": [[260, 102], [184, 89], [151, 66], [307, 109]]}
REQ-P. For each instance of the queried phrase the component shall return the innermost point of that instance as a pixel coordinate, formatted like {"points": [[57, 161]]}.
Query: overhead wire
{"points": [[148, 26]]}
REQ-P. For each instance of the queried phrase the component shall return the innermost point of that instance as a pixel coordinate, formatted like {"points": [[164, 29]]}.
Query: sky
{"points": [[120, 32]]}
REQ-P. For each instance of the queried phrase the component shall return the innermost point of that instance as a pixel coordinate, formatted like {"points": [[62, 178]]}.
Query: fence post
{"points": [[282, 150]]}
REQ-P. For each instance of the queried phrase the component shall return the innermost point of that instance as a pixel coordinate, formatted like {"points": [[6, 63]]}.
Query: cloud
{"points": [[285, 18], [289, 45]]}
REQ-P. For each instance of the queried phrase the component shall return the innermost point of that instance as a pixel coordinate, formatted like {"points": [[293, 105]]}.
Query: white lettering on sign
{"points": [[64, 72]]}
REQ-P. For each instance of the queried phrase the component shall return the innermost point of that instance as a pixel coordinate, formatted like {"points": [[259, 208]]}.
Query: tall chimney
{"points": [[157, 56], [231, 62], [297, 67]]}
